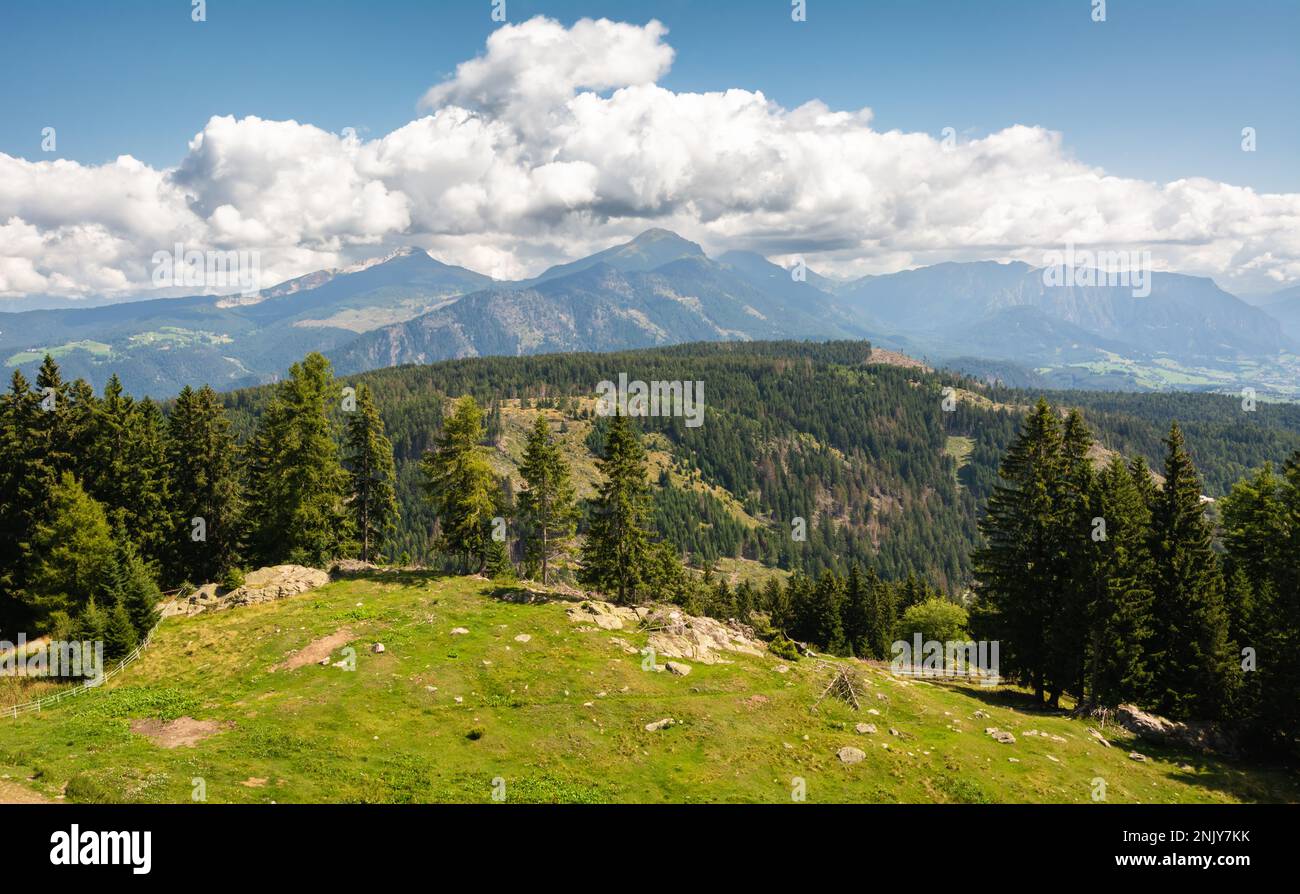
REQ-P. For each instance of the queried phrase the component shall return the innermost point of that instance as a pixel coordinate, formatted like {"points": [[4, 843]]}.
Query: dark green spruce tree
{"points": [[858, 610], [617, 549], [547, 508], [1019, 570], [21, 487], [882, 602], [462, 487], [72, 555], [1261, 532], [1191, 657], [372, 477], [1119, 612], [205, 487], [296, 480], [1073, 499]]}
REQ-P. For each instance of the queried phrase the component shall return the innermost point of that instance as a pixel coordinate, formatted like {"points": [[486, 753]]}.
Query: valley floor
{"points": [[218, 707]]}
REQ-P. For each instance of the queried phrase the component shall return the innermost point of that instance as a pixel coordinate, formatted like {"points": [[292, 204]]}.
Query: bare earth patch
{"points": [[181, 731], [253, 782], [13, 793], [317, 650]]}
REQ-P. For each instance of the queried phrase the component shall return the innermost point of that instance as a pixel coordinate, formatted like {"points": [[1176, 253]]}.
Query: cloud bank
{"points": [[557, 141]]}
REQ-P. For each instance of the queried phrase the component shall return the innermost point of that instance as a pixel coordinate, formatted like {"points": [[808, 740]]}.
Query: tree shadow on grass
{"points": [[1254, 780], [1241, 777], [1002, 697], [524, 593], [404, 577]]}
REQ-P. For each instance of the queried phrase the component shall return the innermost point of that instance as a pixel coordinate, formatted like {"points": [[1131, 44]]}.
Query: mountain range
{"points": [[999, 319]]}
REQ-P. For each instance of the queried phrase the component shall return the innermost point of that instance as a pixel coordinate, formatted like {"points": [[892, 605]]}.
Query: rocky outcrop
{"points": [[604, 615], [677, 635], [1201, 735], [262, 585], [673, 634]]}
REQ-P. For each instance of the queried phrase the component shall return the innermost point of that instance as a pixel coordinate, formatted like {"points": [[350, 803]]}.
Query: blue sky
{"points": [[1159, 91]]}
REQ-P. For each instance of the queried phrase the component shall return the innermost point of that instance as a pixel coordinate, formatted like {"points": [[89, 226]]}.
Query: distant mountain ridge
{"points": [[658, 289], [1284, 306]]}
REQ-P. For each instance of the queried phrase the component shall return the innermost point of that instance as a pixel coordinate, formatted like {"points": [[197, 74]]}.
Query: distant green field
{"points": [[178, 337], [959, 448], [559, 718], [98, 348], [1278, 380]]}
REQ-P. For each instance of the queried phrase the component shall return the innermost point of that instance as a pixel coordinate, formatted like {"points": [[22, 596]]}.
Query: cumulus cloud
{"points": [[558, 141]]}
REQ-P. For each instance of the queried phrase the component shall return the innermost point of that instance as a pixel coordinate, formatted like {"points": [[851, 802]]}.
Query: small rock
{"points": [[979, 715], [1001, 736], [867, 728], [1134, 756], [458, 631], [659, 724], [676, 667], [781, 668], [894, 732], [522, 638], [873, 712], [1098, 736], [850, 755], [377, 648]]}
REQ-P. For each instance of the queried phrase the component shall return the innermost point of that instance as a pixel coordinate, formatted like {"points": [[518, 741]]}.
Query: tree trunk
{"points": [[544, 556]]}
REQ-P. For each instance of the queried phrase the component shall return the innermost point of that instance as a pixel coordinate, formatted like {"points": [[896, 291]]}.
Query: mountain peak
{"points": [[658, 234], [652, 248]]}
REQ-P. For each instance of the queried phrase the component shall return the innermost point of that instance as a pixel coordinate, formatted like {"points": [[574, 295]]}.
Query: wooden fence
{"points": [[89, 685]]}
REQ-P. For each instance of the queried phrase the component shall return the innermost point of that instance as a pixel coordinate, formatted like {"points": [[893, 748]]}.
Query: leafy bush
{"points": [[934, 619], [782, 647], [233, 579]]}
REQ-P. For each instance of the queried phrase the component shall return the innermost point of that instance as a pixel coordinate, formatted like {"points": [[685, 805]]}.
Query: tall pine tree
{"points": [[296, 477], [1119, 612], [1191, 657], [372, 477], [547, 509], [1020, 567], [461, 485], [615, 553], [203, 462]]}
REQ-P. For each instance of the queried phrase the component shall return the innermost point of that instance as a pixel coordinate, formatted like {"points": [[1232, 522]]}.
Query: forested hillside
{"points": [[872, 486], [869, 455]]}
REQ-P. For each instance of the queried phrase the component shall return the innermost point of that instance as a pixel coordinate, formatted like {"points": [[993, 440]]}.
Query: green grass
{"points": [[176, 337], [960, 449], [1274, 378], [379, 734], [100, 351]]}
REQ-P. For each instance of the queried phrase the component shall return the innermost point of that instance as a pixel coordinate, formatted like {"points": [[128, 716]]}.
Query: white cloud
{"points": [[558, 141]]}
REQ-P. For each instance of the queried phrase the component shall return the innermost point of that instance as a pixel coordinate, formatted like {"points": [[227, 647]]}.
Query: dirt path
{"points": [[13, 793], [317, 650]]}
